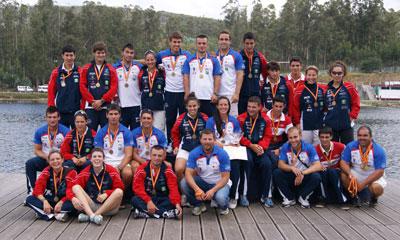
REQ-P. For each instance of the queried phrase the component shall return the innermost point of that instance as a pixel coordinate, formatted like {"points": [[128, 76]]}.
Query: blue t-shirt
{"points": [[216, 65], [113, 146], [144, 144], [209, 168], [376, 159], [307, 156], [42, 137]]}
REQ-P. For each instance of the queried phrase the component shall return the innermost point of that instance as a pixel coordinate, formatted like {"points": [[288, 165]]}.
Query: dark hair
{"points": [[54, 151], [207, 132], [295, 59], [52, 109], [146, 111], [176, 35], [192, 97], [254, 99], [150, 52], [340, 64], [217, 116], [157, 147], [67, 48], [81, 113], [201, 36], [325, 130], [99, 46], [273, 66], [225, 32], [112, 107], [128, 45], [98, 149], [278, 99], [249, 35], [365, 127]]}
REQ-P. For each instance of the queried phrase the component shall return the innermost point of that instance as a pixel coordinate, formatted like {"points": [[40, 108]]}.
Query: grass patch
{"points": [[22, 95]]}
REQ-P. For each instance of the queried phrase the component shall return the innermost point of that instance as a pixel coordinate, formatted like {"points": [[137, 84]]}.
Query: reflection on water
{"points": [[19, 121]]}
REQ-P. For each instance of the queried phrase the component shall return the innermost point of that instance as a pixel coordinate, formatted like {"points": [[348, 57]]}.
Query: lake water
{"points": [[18, 123]]}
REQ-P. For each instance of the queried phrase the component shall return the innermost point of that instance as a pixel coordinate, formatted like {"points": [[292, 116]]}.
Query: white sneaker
{"points": [[304, 202], [184, 202], [224, 211], [287, 203], [169, 148], [196, 211], [62, 217], [213, 203], [232, 203]]}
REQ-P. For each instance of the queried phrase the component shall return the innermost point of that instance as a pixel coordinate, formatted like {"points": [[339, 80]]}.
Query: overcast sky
{"points": [[206, 8]]}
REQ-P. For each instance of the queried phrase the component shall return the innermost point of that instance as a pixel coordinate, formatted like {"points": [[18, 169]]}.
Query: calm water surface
{"points": [[18, 123]]}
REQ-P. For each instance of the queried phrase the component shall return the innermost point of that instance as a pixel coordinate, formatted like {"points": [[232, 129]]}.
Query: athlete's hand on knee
{"points": [[77, 204], [199, 194], [151, 207], [47, 207], [209, 194], [298, 180], [296, 171], [58, 206], [102, 197]]}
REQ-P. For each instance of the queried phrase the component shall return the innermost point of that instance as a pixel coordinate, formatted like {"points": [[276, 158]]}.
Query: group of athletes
{"points": [[201, 110]]}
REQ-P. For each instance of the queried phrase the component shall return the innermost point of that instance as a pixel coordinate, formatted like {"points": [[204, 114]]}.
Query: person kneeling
{"points": [[207, 175], [98, 190], [297, 171], [52, 192], [156, 189]]}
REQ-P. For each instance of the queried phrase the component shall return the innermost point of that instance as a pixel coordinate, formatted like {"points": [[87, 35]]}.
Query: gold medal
{"points": [[250, 75], [316, 104], [194, 137], [201, 76], [173, 74], [333, 103], [111, 151], [63, 83], [126, 85], [98, 85], [56, 199], [223, 141], [151, 94]]}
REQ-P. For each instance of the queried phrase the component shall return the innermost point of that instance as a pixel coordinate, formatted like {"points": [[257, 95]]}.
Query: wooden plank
{"points": [[229, 226], [73, 231], [246, 223], [153, 229], [283, 223], [172, 229], [6, 197], [289, 232], [54, 230], [116, 225], [264, 222], [33, 230], [191, 225], [12, 217], [133, 229], [93, 231], [11, 205], [210, 225], [17, 227]]}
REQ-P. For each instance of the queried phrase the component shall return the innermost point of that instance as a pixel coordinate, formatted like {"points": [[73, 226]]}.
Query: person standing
{"points": [[63, 88], [255, 71], [172, 60], [98, 86], [232, 71], [295, 77], [202, 75], [128, 87], [342, 104]]}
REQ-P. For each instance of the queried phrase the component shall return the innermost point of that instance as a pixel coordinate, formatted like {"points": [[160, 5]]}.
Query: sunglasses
{"points": [[337, 73]]}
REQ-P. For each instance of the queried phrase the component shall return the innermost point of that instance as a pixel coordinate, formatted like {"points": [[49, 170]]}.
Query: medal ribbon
{"points": [[69, 72], [328, 157], [275, 127], [80, 143], [98, 74], [152, 76], [126, 73], [154, 176], [195, 125], [253, 124], [274, 87], [364, 156], [99, 186], [201, 65], [221, 59], [112, 140], [295, 157], [56, 180], [51, 140], [146, 142], [315, 96], [173, 62], [334, 94], [250, 57]]}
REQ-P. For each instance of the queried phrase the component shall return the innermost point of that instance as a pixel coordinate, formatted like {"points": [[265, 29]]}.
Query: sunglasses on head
{"points": [[337, 73]]}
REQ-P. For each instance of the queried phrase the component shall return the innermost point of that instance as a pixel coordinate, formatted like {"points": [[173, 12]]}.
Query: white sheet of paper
{"points": [[236, 153]]}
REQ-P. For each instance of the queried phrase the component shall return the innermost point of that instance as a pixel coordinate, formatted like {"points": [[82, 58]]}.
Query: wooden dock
{"points": [[255, 222]]}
